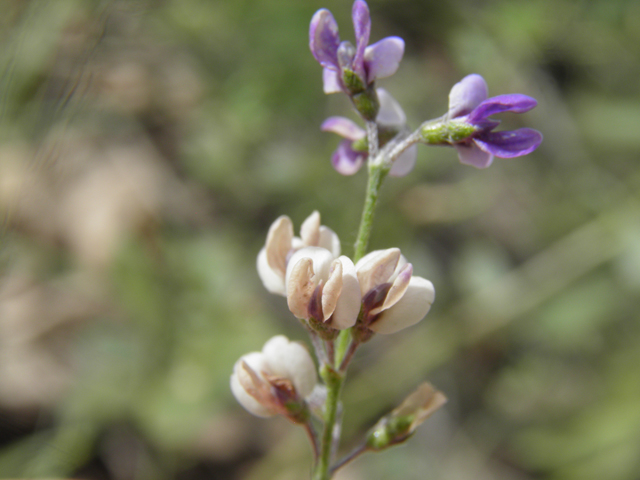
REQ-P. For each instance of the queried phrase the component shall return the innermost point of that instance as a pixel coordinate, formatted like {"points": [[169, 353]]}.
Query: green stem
{"points": [[377, 174], [334, 376], [334, 381]]}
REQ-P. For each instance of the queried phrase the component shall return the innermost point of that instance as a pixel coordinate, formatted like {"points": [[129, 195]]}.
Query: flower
{"points": [[323, 288], [347, 68], [392, 298], [352, 152], [275, 380], [281, 244], [468, 104]]}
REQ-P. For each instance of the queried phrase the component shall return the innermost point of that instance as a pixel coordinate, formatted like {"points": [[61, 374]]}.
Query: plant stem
{"points": [[344, 364], [377, 174], [355, 453], [313, 438], [344, 349], [334, 382]]}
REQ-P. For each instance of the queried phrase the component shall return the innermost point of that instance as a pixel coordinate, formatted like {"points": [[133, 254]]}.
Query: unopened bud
{"points": [[402, 422], [446, 133]]}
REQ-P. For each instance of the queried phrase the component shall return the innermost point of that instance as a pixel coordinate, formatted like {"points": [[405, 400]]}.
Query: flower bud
{"points": [[402, 422], [275, 380]]}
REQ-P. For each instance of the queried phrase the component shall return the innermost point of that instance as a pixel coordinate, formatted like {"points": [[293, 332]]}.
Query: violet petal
{"points": [[346, 160], [324, 39], [405, 162], [471, 154], [509, 144], [331, 81], [514, 102], [362, 28], [390, 113], [466, 95], [343, 127], [383, 58]]}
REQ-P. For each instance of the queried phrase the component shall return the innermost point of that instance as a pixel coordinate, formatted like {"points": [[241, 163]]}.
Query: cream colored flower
{"points": [[393, 298], [267, 383], [323, 287], [281, 244]]}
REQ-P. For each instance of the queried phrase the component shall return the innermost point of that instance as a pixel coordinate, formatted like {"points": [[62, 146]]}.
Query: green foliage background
{"points": [[146, 146]]}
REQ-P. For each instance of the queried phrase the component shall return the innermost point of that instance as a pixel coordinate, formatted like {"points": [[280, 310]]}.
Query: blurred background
{"points": [[145, 148]]}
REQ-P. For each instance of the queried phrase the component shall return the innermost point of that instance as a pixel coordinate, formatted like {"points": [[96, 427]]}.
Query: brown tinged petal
{"points": [[397, 290], [300, 287], [376, 268], [409, 310], [278, 244], [332, 289]]}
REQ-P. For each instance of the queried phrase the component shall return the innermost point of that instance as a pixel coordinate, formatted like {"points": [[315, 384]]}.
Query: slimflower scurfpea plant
{"points": [[343, 302]]}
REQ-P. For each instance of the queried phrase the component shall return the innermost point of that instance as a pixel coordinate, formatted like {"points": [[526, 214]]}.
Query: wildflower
{"points": [[275, 380], [470, 130], [352, 152], [281, 244], [350, 69], [403, 421], [392, 297], [323, 288]]}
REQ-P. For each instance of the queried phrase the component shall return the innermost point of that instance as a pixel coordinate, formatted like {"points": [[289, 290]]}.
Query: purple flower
{"points": [[341, 59], [468, 104], [352, 152]]}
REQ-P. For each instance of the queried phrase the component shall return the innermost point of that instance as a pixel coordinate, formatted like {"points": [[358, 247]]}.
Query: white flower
{"points": [[393, 298], [323, 287], [281, 244], [266, 382]]}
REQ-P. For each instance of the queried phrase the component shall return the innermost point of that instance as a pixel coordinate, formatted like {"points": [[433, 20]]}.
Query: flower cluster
{"points": [[344, 302], [330, 291], [466, 126], [347, 68]]}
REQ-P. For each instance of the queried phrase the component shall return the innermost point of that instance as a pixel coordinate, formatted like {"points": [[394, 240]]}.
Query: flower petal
{"points": [[515, 102], [255, 361], [377, 268], [466, 95], [405, 162], [510, 144], [310, 229], [362, 28], [300, 287], [390, 114], [272, 281], [329, 240], [471, 154], [292, 361], [383, 58], [324, 38], [346, 160], [331, 81], [331, 290], [343, 127], [410, 309], [278, 244], [398, 288], [348, 306]]}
